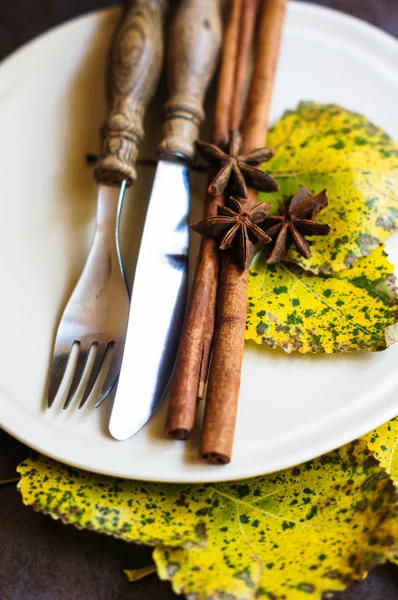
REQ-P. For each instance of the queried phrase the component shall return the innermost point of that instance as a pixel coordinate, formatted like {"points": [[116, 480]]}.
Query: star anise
{"points": [[236, 228], [294, 222], [237, 170]]}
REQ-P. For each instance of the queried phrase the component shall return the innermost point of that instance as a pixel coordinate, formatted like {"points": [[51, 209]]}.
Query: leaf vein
{"points": [[333, 308], [270, 514]]}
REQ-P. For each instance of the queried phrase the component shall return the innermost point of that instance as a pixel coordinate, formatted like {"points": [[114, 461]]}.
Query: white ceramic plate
{"points": [[292, 408]]}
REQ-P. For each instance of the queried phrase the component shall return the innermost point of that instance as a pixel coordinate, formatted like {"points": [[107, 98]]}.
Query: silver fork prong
{"points": [[78, 374], [95, 371], [57, 372], [112, 375]]}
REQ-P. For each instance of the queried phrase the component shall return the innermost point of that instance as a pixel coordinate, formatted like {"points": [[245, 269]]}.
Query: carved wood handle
{"points": [[135, 62], [193, 47]]}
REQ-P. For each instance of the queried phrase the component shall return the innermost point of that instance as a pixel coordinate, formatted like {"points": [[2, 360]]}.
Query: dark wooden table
{"points": [[41, 559]]}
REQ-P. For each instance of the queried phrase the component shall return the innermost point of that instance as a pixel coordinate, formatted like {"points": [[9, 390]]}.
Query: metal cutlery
{"points": [[159, 290], [96, 315]]}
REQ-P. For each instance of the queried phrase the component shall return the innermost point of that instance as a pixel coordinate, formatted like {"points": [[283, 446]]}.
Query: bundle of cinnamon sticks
{"points": [[211, 347]]}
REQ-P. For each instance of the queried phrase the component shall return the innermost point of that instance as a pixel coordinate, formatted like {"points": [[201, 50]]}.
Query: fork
{"points": [[95, 318]]}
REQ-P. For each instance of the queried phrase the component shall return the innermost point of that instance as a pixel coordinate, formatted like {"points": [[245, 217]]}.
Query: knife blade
{"points": [[159, 289]]}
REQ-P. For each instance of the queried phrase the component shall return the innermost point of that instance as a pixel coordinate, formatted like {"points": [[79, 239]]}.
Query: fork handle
{"points": [[193, 47], [135, 62]]}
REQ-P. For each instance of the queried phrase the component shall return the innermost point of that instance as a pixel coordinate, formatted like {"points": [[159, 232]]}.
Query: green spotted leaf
{"points": [[292, 309], [325, 146], [300, 533], [294, 534], [383, 442], [131, 510]]}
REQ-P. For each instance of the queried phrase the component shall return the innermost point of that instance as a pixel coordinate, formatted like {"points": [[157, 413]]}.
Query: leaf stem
{"points": [[6, 481], [136, 574]]}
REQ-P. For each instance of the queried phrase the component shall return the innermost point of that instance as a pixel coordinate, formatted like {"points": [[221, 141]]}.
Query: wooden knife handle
{"points": [[135, 62], [193, 47]]}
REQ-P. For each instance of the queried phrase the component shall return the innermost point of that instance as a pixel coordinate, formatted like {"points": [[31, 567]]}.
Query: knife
{"points": [[159, 289]]}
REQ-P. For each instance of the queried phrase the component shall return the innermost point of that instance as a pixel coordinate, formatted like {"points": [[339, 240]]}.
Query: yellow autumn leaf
{"points": [[130, 510], [295, 534], [383, 442], [296, 310], [325, 146]]}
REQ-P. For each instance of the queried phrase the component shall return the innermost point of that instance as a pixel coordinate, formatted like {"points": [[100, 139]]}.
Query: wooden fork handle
{"points": [[135, 62], [193, 47]]}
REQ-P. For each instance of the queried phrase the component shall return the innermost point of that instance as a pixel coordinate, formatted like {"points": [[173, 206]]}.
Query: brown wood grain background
{"points": [[41, 559]]}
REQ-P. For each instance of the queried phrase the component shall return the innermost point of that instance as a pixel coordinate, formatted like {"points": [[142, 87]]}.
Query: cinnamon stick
{"points": [[225, 371], [195, 346], [245, 47], [247, 26]]}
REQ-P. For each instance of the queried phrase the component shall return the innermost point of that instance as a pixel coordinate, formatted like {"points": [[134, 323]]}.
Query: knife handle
{"points": [[194, 42], [135, 62]]}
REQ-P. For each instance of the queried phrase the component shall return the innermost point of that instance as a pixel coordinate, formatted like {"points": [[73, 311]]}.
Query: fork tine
{"points": [[112, 375], [79, 370], [57, 372], [95, 371]]}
